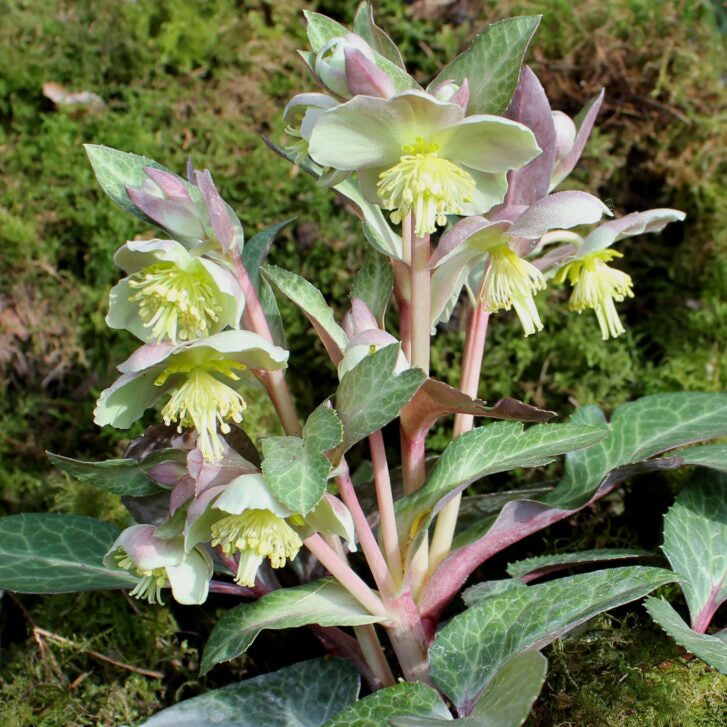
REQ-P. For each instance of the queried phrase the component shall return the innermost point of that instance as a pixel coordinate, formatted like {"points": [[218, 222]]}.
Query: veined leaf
{"points": [[303, 695], [492, 64], [54, 553], [468, 651], [322, 602]]}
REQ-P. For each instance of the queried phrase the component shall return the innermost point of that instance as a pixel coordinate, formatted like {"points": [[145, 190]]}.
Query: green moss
{"points": [[626, 673]]}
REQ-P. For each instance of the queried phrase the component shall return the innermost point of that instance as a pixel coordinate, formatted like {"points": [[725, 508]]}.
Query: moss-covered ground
{"points": [[206, 79]]}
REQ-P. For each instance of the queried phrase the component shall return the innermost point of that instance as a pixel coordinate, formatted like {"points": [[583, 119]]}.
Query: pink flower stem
{"points": [[369, 546], [274, 381], [345, 575], [471, 367], [385, 500], [704, 617]]}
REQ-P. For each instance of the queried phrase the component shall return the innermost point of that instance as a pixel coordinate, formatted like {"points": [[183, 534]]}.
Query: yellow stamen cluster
{"points": [[151, 582], [511, 282], [176, 304], [597, 286], [204, 402], [256, 535], [425, 184]]}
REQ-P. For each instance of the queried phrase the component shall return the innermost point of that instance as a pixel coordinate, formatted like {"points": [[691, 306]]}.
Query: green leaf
{"points": [[303, 695], [711, 649], [323, 431], [695, 541], [272, 312], [311, 301], [120, 476], [476, 508], [542, 564], [492, 64], [322, 602], [469, 650], [402, 699], [295, 473], [512, 691], [496, 447], [638, 430], [115, 170], [321, 29], [374, 283], [370, 395], [707, 455], [54, 553], [257, 247], [364, 25]]}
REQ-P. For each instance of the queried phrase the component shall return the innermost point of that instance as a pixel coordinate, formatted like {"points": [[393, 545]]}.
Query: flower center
{"points": [[256, 535], [425, 184], [150, 582], [511, 282], [596, 285], [174, 303], [202, 401]]}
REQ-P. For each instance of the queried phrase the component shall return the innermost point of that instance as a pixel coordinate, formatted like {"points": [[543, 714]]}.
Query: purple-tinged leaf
{"points": [[173, 215], [530, 106], [217, 210], [173, 186], [584, 123]]}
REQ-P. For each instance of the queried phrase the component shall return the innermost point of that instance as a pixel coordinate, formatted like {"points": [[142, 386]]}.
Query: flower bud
{"points": [[330, 63], [451, 92]]}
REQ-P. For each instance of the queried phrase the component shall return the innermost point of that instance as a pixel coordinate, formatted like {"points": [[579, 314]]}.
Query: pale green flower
{"points": [[172, 294], [160, 563], [202, 378], [595, 283], [414, 153]]}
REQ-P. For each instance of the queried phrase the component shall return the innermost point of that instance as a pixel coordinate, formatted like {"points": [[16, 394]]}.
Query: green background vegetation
{"points": [[205, 79]]}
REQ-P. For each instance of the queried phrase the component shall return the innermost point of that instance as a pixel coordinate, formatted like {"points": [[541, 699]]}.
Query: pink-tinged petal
{"points": [[182, 493], [146, 550], [488, 143], [530, 107], [146, 356], [364, 77], [370, 132], [358, 319], [167, 474], [220, 472], [189, 579], [135, 255], [172, 186], [587, 118], [637, 223], [127, 399], [217, 210], [462, 95], [561, 210], [452, 239], [172, 215]]}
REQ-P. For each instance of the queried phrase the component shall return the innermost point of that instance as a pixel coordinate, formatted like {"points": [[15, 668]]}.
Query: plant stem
{"points": [[274, 381], [385, 500], [373, 652], [420, 299], [344, 574], [369, 546], [471, 367]]}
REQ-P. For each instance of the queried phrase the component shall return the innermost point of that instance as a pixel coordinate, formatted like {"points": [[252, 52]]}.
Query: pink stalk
{"points": [[274, 381], [471, 367], [374, 654], [369, 546], [344, 574], [704, 617], [385, 500]]}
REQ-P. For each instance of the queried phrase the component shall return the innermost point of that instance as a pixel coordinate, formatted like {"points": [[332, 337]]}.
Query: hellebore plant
{"points": [[373, 558]]}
